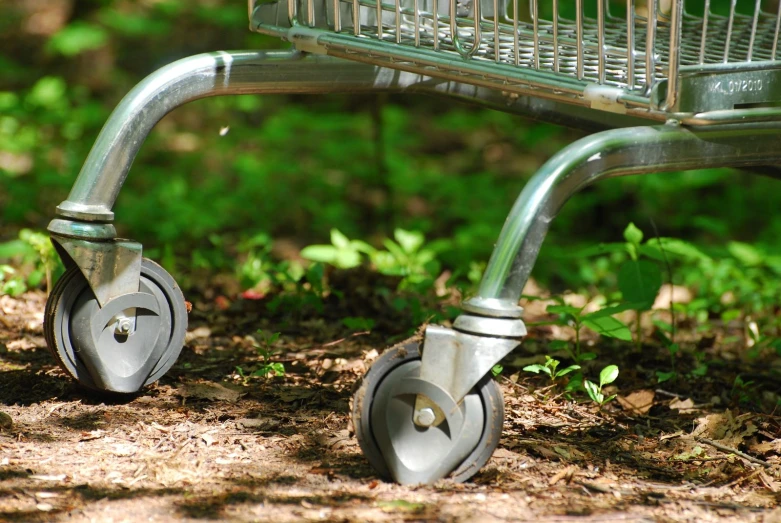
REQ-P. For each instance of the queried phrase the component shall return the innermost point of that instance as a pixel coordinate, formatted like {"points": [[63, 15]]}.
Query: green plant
{"points": [[601, 322], [358, 323], [639, 277], [406, 256], [10, 283], [639, 280], [606, 376], [258, 271], [35, 251], [343, 253], [265, 350], [672, 349], [550, 368], [47, 259]]}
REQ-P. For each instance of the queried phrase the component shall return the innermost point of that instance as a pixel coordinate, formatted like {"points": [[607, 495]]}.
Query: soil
{"points": [[206, 444]]}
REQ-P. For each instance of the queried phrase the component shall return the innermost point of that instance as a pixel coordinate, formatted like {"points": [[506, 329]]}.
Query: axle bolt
{"points": [[123, 326], [425, 417]]}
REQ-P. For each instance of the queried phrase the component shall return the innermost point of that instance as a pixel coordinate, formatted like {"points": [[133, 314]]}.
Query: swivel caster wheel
{"points": [[413, 451], [130, 342]]}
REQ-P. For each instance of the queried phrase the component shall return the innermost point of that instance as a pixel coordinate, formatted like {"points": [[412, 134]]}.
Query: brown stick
{"points": [[725, 448]]}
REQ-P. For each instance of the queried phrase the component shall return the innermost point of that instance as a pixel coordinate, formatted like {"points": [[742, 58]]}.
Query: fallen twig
{"points": [[725, 448], [741, 480]]}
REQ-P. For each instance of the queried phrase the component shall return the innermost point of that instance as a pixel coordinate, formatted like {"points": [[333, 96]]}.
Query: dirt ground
{"points": [[204, 445]]}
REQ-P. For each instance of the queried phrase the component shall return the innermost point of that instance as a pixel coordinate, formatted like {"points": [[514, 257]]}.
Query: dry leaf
{"points": [[769, 482], [209, 391], [726, 428], [290, 395], [5, 421], [684, 406], [638, 402], [565, 474], [767, 447]]}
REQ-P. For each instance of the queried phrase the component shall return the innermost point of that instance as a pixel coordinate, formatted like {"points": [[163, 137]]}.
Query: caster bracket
{"points": [[112, 267], [455, 361]]}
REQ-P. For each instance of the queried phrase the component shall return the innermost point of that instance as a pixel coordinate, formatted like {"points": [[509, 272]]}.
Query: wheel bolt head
{"points": [[123, 326], [425, 417]]}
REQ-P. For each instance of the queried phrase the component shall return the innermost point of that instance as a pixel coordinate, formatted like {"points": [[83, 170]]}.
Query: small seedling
{"points": [[601, 322], [343, 253], [407, 256], [550, 367], [673, 349], [265, 351], [10, 283], [607, 376]]}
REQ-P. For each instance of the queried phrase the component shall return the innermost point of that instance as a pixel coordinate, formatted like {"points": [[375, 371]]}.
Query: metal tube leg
{"points": [[199, 76], [637, 150], [456, 359]]}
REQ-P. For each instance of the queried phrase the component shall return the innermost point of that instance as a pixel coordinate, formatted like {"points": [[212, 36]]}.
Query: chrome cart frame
{"points": [[677, 90]]}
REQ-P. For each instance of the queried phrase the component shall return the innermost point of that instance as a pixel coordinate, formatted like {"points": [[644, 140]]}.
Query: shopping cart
{"points": [[680, 85]]}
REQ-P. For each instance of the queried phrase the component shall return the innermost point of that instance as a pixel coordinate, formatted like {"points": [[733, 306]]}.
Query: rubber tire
{"points": [[490, 396], [73, 281]]}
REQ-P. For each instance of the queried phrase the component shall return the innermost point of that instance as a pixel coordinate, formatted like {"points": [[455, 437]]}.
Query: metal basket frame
{"points": [[702, 65]]}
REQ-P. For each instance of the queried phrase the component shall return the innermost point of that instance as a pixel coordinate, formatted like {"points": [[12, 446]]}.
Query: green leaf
{"points": [[319, 253], [363, 247], [593, 391], [48, 92], [587, 356], [347, 259], [639, 281], [595, 250], [551, 363], [672, 247], [633, 235], [558, 344], [608, 375], [700, 370], [339, 240], [536, 368], [567, 370], [615, 309], [76, 38], [496, 370], [610, 327], [358, 323], [564, 309], [746, 254], [661, 377], [410, 241]]}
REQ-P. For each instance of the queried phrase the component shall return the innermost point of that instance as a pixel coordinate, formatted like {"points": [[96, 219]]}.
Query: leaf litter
{"points": [[209, 445]]}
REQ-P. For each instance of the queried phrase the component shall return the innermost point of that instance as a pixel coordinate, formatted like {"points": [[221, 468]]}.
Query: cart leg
{"points": [[116, 322], [455, 361], [494, 311]]}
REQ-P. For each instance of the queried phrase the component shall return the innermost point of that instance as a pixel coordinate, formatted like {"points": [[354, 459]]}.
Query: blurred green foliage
{"points": [[219, 172]]}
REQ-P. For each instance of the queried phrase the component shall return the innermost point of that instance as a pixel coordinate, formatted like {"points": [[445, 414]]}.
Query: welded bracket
{"points": [[456, 361], [112, 267]]}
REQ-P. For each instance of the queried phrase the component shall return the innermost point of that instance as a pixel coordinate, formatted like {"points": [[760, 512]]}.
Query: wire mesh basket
{"points": [[656, 58]]}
